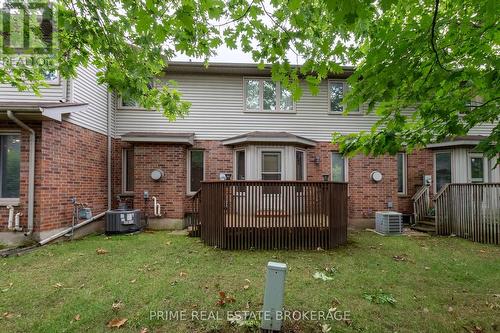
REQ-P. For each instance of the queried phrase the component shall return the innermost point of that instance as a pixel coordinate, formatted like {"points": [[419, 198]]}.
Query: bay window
{"points": [[266, 95]]}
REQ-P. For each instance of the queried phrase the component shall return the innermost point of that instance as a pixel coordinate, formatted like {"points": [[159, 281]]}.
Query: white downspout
{"points": [[31, 170], [17, 225], [10, 224], [110, 106]]}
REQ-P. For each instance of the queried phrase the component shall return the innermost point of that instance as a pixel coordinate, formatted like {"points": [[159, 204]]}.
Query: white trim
{"points": [[293, 140], [345, 89], [452, 167], [453, 143], [279, 151], [405, 173], [304, 163], [56, 112], [235, 162], [346, 166], [188, 189], [469, 169], [261, 80]]}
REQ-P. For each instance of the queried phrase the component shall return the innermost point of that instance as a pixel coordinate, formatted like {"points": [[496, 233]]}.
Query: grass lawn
{"points": [[442, 285]]}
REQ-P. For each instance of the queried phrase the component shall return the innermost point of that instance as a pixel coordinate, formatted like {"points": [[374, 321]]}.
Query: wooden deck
{"points": [[272, 214]]}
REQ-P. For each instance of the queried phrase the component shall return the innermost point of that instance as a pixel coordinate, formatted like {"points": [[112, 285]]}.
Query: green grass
{"points": [[443, 285]]}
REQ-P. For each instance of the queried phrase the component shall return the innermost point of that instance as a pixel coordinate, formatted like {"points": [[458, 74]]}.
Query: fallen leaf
{"points": [[117, 305], [482, 251], [399, 257], [133, 281], [325, 328], [182, 274], [101, 251], [247, 280], [83, 285], [450, 309], [58, 285], [77, 317], [427, 268], [246, 286], [144, 330], [8, 315], [426, 310], [116, 323], [169, 243]]}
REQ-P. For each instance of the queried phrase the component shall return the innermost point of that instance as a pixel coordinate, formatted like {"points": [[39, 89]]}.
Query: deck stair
{"points": [[424, 221], [426, 224]]}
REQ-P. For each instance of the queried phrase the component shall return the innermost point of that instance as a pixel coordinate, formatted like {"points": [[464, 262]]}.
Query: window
{"points": [[336, 92], [266, 95], [128, 169], [443, 169], [51, 77], [299, 165], [339, 172], [271, 165], [196, 169], [240, 165], [476, 168], [129, 103], [401, 158], [10, 161]]}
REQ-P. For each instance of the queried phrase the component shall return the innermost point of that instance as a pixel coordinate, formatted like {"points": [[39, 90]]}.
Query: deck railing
{"points": [[421, 203], [193, 217], [470, 211], [273, 214]]}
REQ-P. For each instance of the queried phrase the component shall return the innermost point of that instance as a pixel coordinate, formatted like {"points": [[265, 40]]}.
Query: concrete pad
{"points": [[166, 224]]}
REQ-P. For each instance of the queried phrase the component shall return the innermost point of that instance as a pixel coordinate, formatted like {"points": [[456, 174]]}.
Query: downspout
{"points": [[110, 105], [31, 170]]}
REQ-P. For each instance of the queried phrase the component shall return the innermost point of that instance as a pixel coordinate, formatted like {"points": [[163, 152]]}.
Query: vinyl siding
{"points": [[84, 89], [52, 93], [217, 113]]}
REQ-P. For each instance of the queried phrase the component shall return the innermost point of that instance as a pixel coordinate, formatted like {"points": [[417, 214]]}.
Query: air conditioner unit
{"points": [[389, 223]]}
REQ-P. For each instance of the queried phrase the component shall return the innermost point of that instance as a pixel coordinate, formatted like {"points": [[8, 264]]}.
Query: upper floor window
{"points": [[266, 95], [51, 77], [10, 161], [129, 103], [336, 92]]}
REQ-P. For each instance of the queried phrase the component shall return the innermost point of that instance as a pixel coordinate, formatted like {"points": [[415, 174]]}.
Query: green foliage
{"points": [[380, 298], [432, 55]]}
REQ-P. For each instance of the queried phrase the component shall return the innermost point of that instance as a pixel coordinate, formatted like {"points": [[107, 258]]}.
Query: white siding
{"points": [[84, 88], [217, 113], [52, 93]]}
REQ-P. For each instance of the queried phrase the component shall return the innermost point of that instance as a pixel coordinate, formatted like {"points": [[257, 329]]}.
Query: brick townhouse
{"points": [[79, 140]]}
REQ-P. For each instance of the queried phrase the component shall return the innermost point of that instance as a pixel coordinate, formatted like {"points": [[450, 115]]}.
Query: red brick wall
{"points": [[365, 196], [70, 161], [73, 164]]}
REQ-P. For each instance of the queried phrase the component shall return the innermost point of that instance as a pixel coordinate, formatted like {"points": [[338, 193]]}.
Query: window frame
{"points": [[261, 97], [124, 107], [235, 166], [11, 201], [281, 164], [471, 155], [452, 170], [345, 88], [405, 173], [188, 189], [346, 166], [304, 164], [124, 170]]}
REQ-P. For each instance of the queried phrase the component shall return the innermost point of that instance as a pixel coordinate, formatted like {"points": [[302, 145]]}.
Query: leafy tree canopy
{"points": [[439, 57]]}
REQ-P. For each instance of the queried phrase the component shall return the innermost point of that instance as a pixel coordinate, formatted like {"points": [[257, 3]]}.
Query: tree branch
{"points": [[433, 35]]}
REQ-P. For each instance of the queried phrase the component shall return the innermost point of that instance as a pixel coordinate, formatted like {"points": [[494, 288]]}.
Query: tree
{"points": [[435, 56]]}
